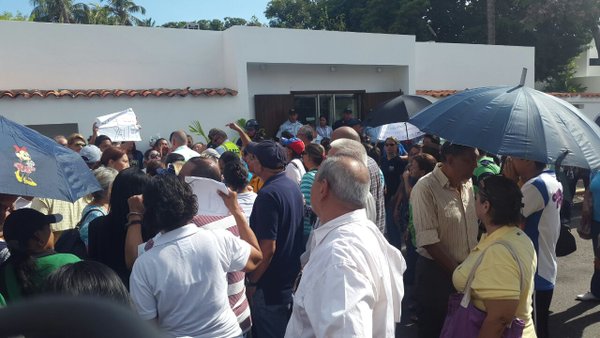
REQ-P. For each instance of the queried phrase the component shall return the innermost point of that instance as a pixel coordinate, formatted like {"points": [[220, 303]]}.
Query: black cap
{"points": [[292, 112], [270, 154], [22, 223], [251, 124], [347, 111]]}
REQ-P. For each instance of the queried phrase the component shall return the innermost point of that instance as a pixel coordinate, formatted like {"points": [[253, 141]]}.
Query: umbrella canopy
{"points": [[398, 109], [401, 131], [34, 165], [517, 121]]}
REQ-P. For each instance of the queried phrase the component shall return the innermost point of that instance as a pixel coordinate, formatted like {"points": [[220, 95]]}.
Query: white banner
{"points": [[120, 126]]}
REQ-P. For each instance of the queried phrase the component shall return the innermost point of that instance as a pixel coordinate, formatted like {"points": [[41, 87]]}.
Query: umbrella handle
{"points": [[561, 158]]}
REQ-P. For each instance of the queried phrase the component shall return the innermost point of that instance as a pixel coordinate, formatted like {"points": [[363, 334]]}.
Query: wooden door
{"points": [[272, 110]]}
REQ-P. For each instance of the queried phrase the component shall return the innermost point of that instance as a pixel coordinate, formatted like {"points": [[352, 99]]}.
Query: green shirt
{"points": [[9, 283]]}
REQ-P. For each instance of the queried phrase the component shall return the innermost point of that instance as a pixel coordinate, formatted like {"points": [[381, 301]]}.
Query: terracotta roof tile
{"points": [[75, 93], [445, 93]]}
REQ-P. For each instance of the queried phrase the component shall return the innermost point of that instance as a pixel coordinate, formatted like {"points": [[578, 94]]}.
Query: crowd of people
{"points": [[316, 232]]}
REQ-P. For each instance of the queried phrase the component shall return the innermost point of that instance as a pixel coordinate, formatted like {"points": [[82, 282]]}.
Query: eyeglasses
{"points": [[80, 144]]}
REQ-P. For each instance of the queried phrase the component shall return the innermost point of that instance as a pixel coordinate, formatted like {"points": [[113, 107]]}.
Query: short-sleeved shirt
{"points": [[542, 199], [181, 281], [246, 201], [45, 265], [295, 170], [89, 213], [440, 215], [305, 186], [291, 127], [376, 188], [71, 212], [392, 172], [498, 276], [278, 215]]}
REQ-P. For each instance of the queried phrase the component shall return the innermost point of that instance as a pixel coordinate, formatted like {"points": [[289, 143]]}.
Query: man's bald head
{"points": [[178, 138], [345, 132], [201, 167]]}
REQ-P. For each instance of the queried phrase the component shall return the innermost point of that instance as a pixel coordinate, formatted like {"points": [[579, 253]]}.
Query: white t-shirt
{"points": [[295, 170], [181, 280], [246, 201], [542, 199], [186, 152]]}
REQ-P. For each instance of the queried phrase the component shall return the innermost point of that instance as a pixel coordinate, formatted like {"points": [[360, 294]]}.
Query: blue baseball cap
{"points": [[270, 154]]}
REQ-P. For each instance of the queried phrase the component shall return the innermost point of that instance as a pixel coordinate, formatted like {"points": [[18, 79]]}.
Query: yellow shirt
{"points": [[498, 276], [71, 212]]}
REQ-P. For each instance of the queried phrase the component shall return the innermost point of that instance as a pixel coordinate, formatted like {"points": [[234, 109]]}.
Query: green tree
{"points": [[559, 30], [53, 11], [8, 16], [123, 12]]}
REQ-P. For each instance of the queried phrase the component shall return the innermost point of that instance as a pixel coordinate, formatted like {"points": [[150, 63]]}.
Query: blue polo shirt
{"points": [[277, 215]]}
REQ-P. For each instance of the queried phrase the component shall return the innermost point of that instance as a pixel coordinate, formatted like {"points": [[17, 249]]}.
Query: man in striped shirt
{"points": [[236, 290]]}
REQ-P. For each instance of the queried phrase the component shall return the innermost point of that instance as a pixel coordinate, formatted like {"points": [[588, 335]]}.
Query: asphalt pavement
{"points": [[569, 318]]}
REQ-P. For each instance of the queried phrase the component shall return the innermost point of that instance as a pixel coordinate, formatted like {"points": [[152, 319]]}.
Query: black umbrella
{"points": [[398, 109]]}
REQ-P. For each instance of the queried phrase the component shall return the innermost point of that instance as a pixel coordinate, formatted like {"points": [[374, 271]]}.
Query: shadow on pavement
{"points": [[563, 324]]}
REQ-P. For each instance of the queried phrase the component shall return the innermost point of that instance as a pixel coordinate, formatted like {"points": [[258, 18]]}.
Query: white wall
{"points": [[59, 56], [53, 56], [156, 115], [459, 66]]}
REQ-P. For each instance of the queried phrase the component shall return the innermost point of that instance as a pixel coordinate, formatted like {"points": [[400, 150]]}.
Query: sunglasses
{"points": [[80, 144]]}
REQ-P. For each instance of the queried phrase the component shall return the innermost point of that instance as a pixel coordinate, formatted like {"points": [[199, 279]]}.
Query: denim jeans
{"points": [[269, 321]]}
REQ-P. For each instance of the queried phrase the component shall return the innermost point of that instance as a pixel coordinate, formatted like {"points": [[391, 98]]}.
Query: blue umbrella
{"points": [[517, 121], [34, 165]]}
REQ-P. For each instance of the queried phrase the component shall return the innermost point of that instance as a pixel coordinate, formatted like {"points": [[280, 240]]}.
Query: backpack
{"points": [[70, 240]]}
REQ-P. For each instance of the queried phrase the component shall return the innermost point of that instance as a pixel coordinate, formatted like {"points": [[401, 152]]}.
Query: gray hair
{"points": [[348, 147], [348, 179], [307, 131], [105, 177]]}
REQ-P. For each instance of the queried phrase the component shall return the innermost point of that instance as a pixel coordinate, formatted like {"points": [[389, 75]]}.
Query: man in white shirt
{"points": [[352, 284], [292, 125], [179, 281], [179, 145]]}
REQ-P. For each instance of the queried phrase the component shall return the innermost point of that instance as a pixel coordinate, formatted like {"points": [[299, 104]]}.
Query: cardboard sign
{"points": [[120, 126]]}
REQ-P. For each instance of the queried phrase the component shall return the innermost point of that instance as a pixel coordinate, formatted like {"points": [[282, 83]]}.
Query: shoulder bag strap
{"points": [[467, 290]]}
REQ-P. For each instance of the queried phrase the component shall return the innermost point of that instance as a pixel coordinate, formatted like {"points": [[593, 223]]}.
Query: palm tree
{"points": [[123, 10], [99, 15], [491, 21], [52, 11]]}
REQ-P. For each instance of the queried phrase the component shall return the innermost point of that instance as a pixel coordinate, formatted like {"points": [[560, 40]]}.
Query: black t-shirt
{"points": [[392, 173], [278, 215]]}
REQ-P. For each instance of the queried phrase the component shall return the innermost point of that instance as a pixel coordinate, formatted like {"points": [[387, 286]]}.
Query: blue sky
{"points": [[175, 10]]}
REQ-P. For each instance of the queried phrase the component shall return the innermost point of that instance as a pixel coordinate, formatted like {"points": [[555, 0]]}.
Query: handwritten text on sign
{"points": [[120, 126]]}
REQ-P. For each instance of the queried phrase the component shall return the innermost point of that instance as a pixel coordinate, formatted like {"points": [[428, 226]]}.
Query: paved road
{"points": [[570, 318]]}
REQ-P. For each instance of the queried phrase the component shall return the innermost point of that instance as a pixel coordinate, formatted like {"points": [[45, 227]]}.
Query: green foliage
{"points": [[559, 30], [196, 128], [564, 81], [214, 25], [114, 12], [8, 16]]}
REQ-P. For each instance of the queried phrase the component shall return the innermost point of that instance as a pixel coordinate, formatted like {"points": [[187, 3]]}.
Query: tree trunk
{"points": [[491, 22], [596, 35]]}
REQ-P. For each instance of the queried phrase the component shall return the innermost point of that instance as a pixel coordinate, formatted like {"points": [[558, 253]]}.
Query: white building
{"points": [[244, 71]]}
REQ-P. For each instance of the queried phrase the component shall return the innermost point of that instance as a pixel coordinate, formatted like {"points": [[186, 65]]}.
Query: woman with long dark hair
{"points": [[32, 257], [106, 241]]}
